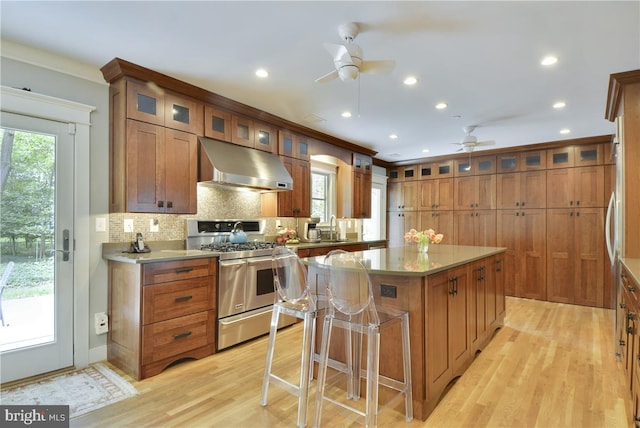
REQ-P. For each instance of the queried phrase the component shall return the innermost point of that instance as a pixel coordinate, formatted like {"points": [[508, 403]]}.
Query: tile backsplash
{"points": [[213, 203]]}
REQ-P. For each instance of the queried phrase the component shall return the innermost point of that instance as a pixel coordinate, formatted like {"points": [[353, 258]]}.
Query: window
{"points": [[320, 195]]}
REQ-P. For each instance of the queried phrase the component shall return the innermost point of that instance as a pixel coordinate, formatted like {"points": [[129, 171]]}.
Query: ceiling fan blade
{"points": [[327, 77], [338, 52], [485, 143], [378, 67]]}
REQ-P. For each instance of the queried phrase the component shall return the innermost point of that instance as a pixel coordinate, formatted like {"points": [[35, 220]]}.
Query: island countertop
{"points": [[406, 261]]}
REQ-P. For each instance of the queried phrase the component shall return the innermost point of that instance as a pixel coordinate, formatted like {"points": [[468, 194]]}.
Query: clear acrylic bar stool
{"points": [[351, 307], [294, 299]]}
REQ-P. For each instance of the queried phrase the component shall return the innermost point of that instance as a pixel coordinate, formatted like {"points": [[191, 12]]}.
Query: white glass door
{"points": [[36, 244]]}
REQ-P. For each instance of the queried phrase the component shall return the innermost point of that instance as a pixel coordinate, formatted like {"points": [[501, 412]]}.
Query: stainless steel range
{"points": [[246, 292]]}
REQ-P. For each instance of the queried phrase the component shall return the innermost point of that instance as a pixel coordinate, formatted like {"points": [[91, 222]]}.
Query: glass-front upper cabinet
{"points": [[217, 124], [293, 145], [441, 169], [521, 161], [152, 104], [565, 157], [266, 138], [478, 165]]}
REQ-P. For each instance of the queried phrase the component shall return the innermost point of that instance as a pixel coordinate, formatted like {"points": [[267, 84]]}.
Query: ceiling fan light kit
{"points": [[348, 58], [470, 142]]}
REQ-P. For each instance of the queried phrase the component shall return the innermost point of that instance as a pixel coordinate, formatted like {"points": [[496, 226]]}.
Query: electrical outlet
{"points": [[128, 225], [101, 224], [278, 224], [154, 225], [101, 322]]}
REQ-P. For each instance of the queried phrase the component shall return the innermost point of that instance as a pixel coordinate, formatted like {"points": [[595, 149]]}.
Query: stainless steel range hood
{"points": [[239, 166]]}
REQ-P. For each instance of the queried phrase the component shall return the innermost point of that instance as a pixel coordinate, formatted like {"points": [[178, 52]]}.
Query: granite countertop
{"points": [[633, 265], [166, 251], [407, 261]]}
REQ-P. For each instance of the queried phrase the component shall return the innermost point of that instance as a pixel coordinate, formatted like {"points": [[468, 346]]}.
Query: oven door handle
{"points": [[256, 260], [233, 262]]}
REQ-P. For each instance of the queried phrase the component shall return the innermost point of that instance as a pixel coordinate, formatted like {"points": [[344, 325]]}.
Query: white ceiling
{"points": [[481, 58]]}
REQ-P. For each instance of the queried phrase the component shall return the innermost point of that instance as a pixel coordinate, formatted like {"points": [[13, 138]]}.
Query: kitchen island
{"points": [[455, 299]]}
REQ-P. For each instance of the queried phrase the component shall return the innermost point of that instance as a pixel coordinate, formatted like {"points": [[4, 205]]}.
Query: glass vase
{"points": [[423, 247]]}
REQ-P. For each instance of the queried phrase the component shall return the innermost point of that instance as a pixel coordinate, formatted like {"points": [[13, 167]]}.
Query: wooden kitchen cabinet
{"points": [[570, 156], [242, 131], [442, 169], [475, 192], [265, 137], [439, 221], [524, 234], [405, 173], [521, 161], [447, 332], [294, 203], [162, 107], [520, 190], [152, 157], [436, 194], [161, 171], [354, 182], [576, 187], [403, 195], [160, 313], [293, 145], [475, 227], [477, 165], [399, 223], [575, 266], [217, 123]]}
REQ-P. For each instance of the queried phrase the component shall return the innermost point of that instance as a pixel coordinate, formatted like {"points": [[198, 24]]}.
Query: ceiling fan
{"points": [[470, 142], [348, 58]]}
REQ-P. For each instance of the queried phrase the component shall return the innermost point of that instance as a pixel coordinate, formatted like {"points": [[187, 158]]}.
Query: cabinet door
{"points": [[217, 124], [465, 190], [144, 104], [532, 251], [410, 195], [589, 264], [183, 114], [486, 196], [145, 167], [266, 138], [533, 188], [301, 193], [428, 195], [180, 172], [399, 223], [477, 300], [589, 186], [508, 236], [439, 365], [508, 162], [440, 221], [458, 320], [560, 256], [361, 194], [242, 131], [445, 194], [499, 277], [394, 193], [464, 227], [508, 190], [562, 157], [485, 228], [561, 181]]}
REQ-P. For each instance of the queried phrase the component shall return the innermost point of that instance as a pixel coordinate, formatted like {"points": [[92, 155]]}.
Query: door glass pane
{"points": [[27, 238], [217, 124], [180, 114], [146, 104]]}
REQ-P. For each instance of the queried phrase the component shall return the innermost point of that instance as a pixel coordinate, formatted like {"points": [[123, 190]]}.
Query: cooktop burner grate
{"points": [[228, 247]]}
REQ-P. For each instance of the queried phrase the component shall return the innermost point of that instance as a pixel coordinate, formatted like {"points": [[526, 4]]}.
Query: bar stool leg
{"points": [[406, 362], [373, 370], [272, 344], [305, 367], [322, 369]]}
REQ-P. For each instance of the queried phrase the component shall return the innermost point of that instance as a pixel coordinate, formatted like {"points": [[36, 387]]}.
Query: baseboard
{"points": [[98, 354]]}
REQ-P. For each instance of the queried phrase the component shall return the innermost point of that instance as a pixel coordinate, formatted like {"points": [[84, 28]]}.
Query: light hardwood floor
{"points": [[552, 365]]}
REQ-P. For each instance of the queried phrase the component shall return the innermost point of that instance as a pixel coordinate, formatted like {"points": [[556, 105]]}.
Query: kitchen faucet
{"points": [[332, 225]]}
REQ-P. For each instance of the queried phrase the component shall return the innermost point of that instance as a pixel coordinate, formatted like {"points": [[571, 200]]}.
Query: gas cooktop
{"points": [[244, 250]]}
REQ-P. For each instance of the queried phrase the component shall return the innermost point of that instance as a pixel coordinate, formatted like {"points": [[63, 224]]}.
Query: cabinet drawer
{"points": [[175, 299], [154, 273], [167, 338]]}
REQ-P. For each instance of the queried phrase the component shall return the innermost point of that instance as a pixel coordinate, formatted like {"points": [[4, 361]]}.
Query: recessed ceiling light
{"points": [[393, 136], [410, 80], [549, 60], [559, 105], [346, 114], [425, 150], [261, 72], [565, 131], [441, 106]]}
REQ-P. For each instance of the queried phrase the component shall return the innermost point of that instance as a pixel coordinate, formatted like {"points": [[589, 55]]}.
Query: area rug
{"points": [[83, 390]]}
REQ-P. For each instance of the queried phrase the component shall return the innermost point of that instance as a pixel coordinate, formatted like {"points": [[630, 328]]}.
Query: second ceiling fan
{"points": [[348, 57]]}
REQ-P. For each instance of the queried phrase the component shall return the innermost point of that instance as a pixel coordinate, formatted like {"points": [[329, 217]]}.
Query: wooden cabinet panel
{"points": [[579, 187], [476, 165], [265, 137], [524, 234], [475, 227], [180, 172], [442, 169], [143, 103], [436, 194], [403, 196], [293, 145], [145, 162], [440, 221], [182, 113], [399, 223], [522, 161], [575, 267], [475, 192], [160, 313], [217, 123], [242, 131], [521, 189], [569, 156], [297, 202]]}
